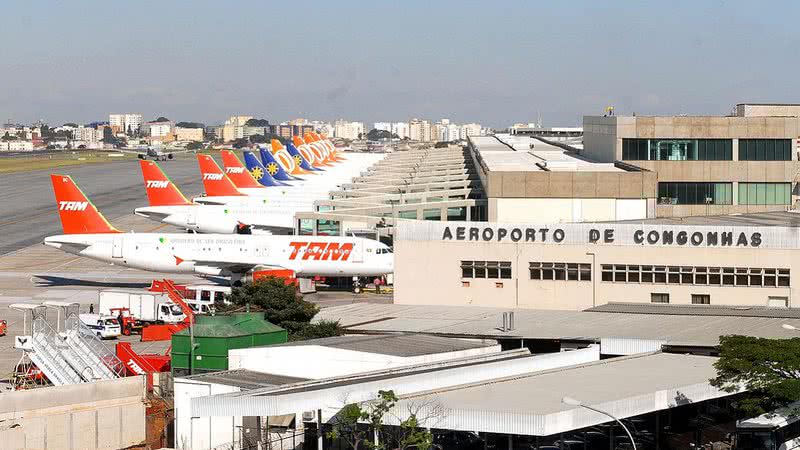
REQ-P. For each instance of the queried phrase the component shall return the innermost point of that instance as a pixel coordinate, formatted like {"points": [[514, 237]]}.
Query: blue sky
{"points": [[492, 62]]}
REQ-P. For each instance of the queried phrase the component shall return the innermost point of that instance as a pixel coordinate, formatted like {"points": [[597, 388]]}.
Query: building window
{"points": [[659, 297], [560, 271], [677, 149], [693, 275], [765, 149], [679, 193], [701, 299], [486, 269], [765, 193]]}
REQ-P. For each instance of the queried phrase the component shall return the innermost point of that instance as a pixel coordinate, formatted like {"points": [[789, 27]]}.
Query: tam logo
{"points": [[321, 251], [234, 169], [212, 176], [72, 206], [157, 184]]}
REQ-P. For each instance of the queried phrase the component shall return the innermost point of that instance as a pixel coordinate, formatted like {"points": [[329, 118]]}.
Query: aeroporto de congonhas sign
{"points": [[602, 234]]}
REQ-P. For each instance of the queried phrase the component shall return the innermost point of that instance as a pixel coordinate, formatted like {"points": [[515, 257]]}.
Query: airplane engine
{"points": [[260, 272]]}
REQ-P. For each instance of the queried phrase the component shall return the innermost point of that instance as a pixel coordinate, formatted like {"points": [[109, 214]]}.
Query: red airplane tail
{"points": [[78, 214], [160, 190], [216, 183], [239, 175]]}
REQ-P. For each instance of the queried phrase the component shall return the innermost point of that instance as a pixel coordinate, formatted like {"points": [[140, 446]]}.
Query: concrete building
{"points": [[125, 123], [529, 179], [86, 134], [470, 129], [16, 146], [419, 130], [400, 129], [348, 130], [161, 130], [707, 165], [100, 415], [742, 261], [234, 128], [189, 134]]}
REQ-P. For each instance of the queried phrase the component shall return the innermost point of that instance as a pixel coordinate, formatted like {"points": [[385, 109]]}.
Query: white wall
{"points": [[560, 210], [316, 362], [195, 433]]}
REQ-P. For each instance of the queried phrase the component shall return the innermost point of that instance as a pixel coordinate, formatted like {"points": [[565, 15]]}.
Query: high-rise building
{"points": [[470, 129], [348, 130], [383, 126], [419, 130], [234, 128], [400, 129], [129, 124]]}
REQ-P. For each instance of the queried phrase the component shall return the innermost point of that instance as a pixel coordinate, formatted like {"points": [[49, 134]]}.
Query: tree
{"points": [[189, 125], [282, 305], [317, 330], [258, 139], [241, 142], [257, 123], [377, 135], [161, 119], [194, 145], [768, 369], [358, 424], [8, 137], [70, 124]]}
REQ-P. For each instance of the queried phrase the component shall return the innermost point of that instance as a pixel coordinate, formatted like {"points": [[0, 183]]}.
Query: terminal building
{"points": [[705, 165], [746, 260]]}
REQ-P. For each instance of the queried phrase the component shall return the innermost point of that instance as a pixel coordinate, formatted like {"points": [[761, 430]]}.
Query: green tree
{"points": [[257, 123], [8, 137], [239, 143], [358, 424], [70, 124], [161, 119], [189, 125], [318, 330], [281, 303], [194, 145], [768, 369]]}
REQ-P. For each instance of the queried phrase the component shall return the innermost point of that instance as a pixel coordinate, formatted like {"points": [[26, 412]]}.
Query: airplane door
{"points": [[191, 218], [116, 248], [358, 252]]}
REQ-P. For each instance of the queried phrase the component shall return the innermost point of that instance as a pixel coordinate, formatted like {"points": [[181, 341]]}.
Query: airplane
{"points": [[168, 205], [298, 147], [241, 257]]}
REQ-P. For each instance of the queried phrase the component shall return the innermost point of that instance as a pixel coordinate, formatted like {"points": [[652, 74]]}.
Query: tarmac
{"points": [[33, 273]]}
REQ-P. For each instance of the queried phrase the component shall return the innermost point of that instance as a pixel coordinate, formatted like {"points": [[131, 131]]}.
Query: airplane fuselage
{"points": [[226, 255]]}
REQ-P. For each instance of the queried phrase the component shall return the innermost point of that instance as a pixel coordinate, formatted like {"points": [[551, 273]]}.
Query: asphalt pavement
{"points": [[116, 188]]}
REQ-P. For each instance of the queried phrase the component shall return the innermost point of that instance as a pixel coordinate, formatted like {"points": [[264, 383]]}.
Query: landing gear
{"points": [[357, 287]]}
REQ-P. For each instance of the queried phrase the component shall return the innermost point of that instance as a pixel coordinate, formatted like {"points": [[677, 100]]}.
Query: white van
{"points": [[104, 327], [200, 307]]}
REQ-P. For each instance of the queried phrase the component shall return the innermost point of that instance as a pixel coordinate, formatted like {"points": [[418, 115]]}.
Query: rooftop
{"points": [[583, 326], [516, 153], [244, 379], [765, 219], [404, 345]]}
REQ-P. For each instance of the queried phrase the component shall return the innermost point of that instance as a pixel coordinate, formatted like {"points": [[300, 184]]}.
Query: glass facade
{"points": [[677, 149], [678, 193], [765, 193], [765, 149]]}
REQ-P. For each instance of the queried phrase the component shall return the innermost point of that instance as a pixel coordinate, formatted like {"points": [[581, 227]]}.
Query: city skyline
{"points": [[495, 65]]}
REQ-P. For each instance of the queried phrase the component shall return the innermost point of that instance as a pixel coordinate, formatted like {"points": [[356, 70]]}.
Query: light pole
{"points": [[573, 402]]}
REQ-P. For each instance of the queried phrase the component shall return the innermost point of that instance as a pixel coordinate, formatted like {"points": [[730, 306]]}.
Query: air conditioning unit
{"points": [[309, 416]]}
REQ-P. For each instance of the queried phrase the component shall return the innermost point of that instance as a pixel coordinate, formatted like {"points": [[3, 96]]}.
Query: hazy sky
{"points": [[492, 62]]}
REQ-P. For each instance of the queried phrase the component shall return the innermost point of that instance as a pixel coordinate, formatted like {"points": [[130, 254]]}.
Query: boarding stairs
{"points": [[47, 356], [73, 356]]}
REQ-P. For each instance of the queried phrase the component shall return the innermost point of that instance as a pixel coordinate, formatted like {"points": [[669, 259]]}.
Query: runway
{"points": [[116, 188]]}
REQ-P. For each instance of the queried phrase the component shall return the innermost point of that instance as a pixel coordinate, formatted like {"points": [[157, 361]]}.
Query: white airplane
{"points": [[168, 205], [241, 257]]}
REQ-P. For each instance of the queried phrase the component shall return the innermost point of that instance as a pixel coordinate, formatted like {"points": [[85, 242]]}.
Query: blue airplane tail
{"points": [[297, 155], [274, 168], [258, 170]]}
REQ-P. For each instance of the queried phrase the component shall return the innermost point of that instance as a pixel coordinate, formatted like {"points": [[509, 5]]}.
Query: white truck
{"points": [[102, 326], [146, 307]]}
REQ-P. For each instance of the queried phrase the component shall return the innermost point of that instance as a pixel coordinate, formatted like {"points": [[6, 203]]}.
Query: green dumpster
{"points": [[215, 335]]}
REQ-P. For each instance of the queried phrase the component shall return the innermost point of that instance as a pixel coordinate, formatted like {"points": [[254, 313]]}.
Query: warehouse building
{"points": [[744, 260], [705, 165]]}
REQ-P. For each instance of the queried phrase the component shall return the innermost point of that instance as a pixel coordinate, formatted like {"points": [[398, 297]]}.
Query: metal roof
{"points": [[406, 345], [243, 379], [625, 387], [473, 321], [697, 310]]}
